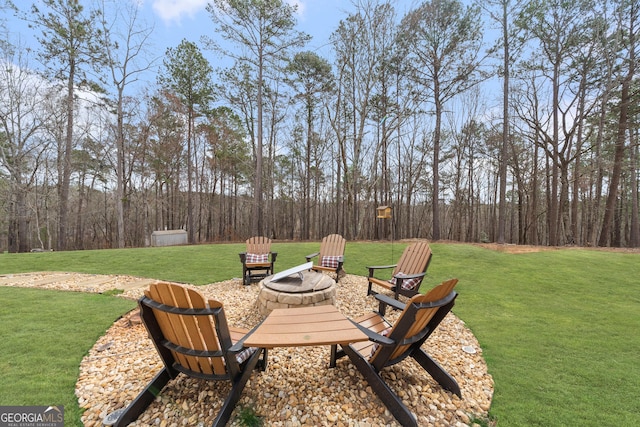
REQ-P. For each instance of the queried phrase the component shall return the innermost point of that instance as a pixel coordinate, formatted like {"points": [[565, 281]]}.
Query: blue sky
{"points": [[175, 20], [178, 19]]}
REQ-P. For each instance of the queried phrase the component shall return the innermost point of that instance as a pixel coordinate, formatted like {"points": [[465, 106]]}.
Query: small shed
{"points": [[168, 237]]}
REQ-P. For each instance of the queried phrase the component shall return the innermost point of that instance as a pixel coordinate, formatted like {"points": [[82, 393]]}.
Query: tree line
{"points": [[505, 121]]}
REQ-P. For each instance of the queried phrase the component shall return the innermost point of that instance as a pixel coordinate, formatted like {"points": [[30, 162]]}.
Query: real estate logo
{"points": [[32, 416]]}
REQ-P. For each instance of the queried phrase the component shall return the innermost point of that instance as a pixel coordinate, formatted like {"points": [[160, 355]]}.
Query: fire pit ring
{"points": [[305, 289]]}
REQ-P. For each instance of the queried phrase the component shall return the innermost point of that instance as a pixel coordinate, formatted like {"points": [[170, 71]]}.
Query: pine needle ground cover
{"points": [[558, 327]]}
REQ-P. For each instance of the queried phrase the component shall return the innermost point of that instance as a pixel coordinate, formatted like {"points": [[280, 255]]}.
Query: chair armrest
{"points": [[373, 268], [410, 276], [378, 267], [384, 300], [439, 303], [315, 254], [243, 257], [273, 256], [373, 336], [239, 345]]}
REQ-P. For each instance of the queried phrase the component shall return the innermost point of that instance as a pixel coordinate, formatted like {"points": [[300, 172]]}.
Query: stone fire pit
{"points": [[306, 289]]}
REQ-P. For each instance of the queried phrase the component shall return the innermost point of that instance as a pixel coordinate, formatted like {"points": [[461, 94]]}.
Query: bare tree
{"points": [[634, 238], [632, 13], [165, 158], [68, 43], [311, 79], [188, 76], [504, 18], [125, 43], [558, 29], [263, 30], [444, 39], [229, 162], [21, 145], [361, 43]]}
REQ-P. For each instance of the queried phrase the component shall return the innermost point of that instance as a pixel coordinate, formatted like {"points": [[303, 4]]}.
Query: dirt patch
{"points": [[523, 249], [516, 249]]}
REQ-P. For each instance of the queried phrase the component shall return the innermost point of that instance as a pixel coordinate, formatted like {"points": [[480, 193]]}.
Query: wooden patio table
{"points": [[301, 327]]}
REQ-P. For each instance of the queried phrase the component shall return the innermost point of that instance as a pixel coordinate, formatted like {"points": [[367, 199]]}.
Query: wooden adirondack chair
{"points": [[392, 343], [331, 255], [192, 337], [407, 273], [258, 260]]}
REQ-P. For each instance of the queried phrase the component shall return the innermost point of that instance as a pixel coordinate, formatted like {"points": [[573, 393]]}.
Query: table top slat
{"points": [[337, 325], [303, 318], [303, 339], [318, 309], [305, 326]]}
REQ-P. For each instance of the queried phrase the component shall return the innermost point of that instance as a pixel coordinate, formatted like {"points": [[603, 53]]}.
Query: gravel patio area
{"points": [[298, 388]]}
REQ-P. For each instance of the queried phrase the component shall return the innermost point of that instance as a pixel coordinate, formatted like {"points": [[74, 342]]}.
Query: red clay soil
{"points": [[521, 249]]}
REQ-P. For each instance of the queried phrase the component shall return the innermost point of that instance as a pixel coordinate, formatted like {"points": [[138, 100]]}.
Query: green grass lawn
{"points": [[44, 335], [559, 332], [558, 328]]}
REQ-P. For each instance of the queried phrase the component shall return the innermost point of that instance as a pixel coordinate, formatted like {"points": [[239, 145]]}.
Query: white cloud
{"points": [[300, 5], [173, 10]]}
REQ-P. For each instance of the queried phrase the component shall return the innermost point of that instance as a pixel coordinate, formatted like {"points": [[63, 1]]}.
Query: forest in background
{"points": [[291, 145]]}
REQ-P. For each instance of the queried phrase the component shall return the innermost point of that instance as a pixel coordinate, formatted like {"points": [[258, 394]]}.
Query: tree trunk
{"points": [[435, 195], [619, 150], [634, 238], [502, 209], [65, 167], [20, 212], [119, 199], [256, 225], [190, 212]]}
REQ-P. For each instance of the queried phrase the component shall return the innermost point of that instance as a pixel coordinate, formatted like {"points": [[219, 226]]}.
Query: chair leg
{"points": [[437, 372], [381, 389], [370, 291], [246, 280], [262, 363], [143, 399], [236, 390], [335, 355], [244, 274]]}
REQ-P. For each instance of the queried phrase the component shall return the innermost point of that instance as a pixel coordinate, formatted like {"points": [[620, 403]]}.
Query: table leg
{"points": [[334, 350]]}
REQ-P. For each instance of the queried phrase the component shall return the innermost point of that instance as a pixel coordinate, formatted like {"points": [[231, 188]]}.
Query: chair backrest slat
{"points": [[189, 331], [332, 245], [191, 337], [258, 245], [200, 330], [422, 315], [162, 295], [415, 258]]}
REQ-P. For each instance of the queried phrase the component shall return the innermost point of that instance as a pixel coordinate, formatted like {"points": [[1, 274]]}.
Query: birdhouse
{"points": [[384, 212]]}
